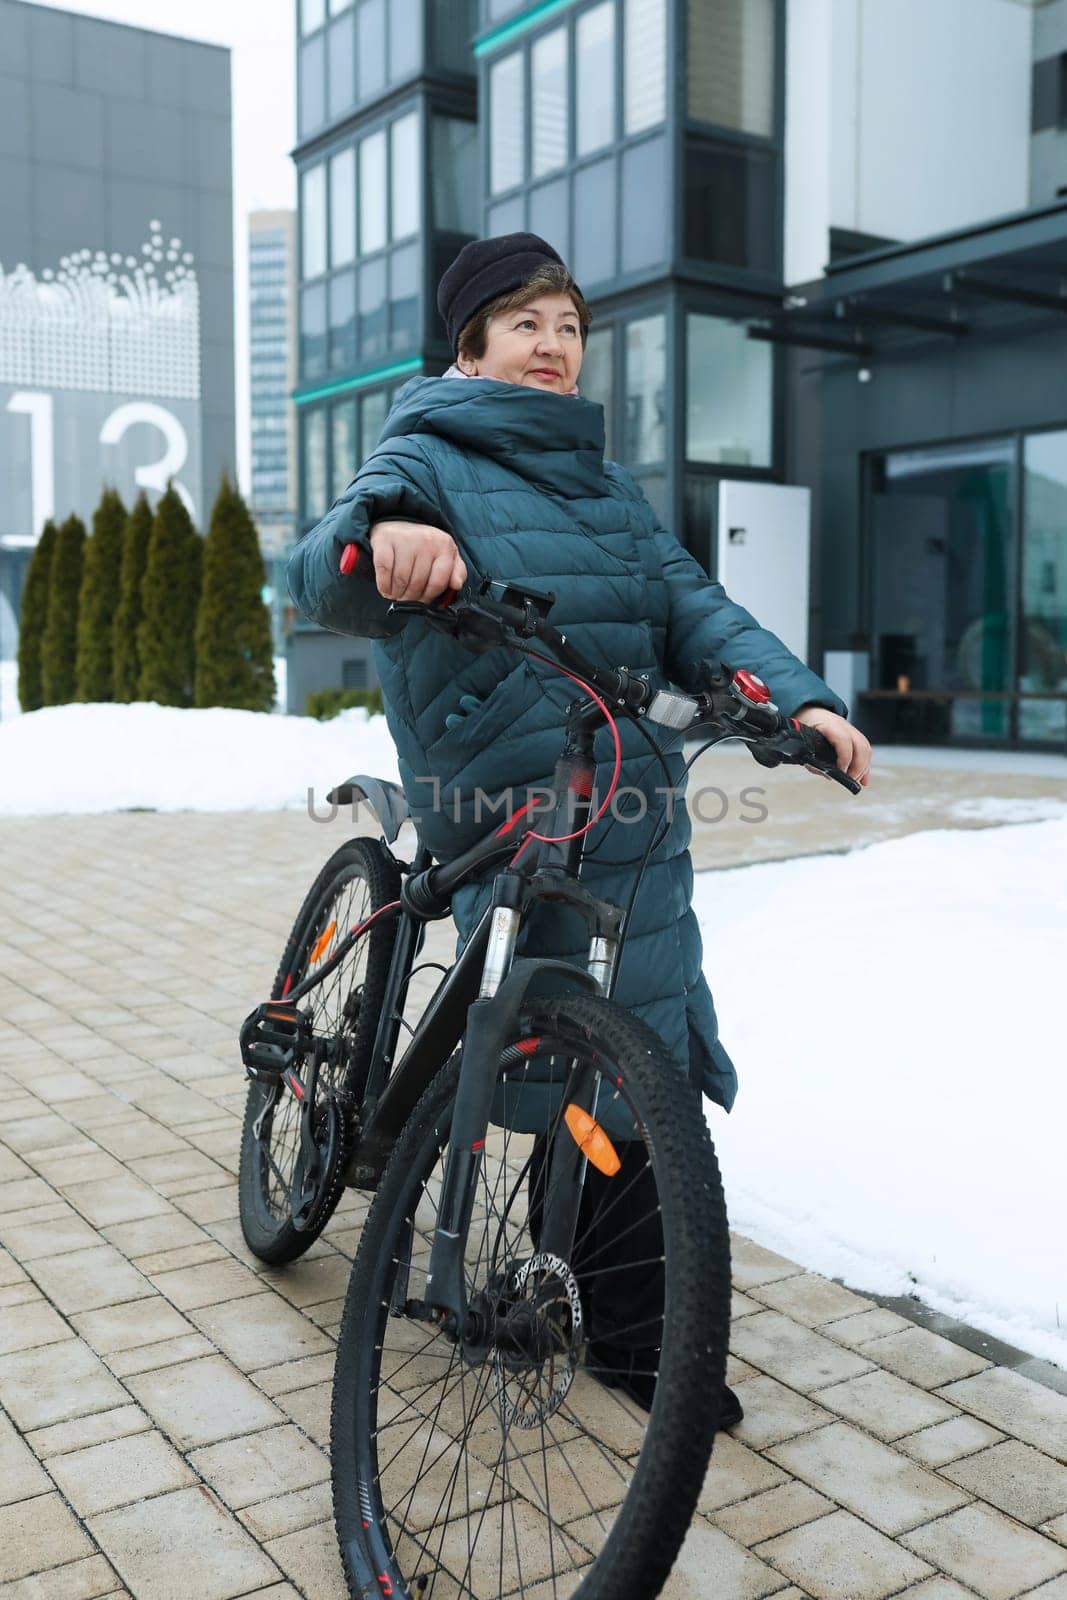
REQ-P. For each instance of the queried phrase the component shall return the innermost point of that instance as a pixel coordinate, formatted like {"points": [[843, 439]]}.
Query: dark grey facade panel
{"points": [[106, 131], [111, 63], [51, 46], [67, 125], [1046, 93]]}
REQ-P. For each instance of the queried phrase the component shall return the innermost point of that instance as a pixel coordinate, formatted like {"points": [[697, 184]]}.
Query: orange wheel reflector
{"points": [[322, 941], [592, 1141]]}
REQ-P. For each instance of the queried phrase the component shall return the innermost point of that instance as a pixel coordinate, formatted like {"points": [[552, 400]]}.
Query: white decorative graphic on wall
{"points": [[114, 323]]}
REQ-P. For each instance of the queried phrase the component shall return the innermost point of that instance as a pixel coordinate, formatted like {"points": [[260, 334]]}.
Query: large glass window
{"points": [[313, 331], [342, 207], [343, 418], [343, 321], [312, 97], [404, 297], [594, 223], [312, 15], [316, 492], [341, 65], [373, 410], [1043, 640], [644, 63], [456, 200], [507, 115], [404, 174], [548, 95], [645, 192], [594, 106], [372, 193], [405, 38], [337, 6], [730, 64], [729, 394], [596, 381], [372, 302], [730, 206], [942, 554], [549, 213], [313, 221], [370, 48], [646, 390]]}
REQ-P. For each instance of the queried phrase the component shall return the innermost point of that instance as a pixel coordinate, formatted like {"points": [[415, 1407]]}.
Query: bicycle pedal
{"points": [[272, 1037]]}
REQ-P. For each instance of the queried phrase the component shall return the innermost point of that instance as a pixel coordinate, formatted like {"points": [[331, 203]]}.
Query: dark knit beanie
{"points": [[484, 269]]}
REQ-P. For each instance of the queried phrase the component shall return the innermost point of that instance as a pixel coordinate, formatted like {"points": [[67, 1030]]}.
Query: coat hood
{"points": [[554, 441]]}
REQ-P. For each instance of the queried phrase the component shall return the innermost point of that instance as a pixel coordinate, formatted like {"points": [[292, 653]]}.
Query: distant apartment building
{"points": [[116, 273], [272, 374], [825, 243]]}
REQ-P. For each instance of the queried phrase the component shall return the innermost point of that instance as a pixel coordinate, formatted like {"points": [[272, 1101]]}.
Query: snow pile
{"points": [[895, 1015], [92, 758]]}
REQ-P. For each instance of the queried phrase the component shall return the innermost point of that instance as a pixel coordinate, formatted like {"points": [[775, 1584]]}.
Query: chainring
{"points": [[329, 1140]]}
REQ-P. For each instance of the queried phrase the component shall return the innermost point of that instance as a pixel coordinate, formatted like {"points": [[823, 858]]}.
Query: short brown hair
{"points": [[549, 279]]}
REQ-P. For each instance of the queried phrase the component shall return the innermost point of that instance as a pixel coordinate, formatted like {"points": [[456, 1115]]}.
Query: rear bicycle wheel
{"points": [[512, 1459], [357, 880]]}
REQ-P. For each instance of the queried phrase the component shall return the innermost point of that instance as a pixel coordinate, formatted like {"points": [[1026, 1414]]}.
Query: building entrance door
{"points": [[942, 606]]}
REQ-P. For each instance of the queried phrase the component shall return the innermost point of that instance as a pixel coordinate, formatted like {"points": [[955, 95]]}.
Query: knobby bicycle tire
{"points": [[268, 1229], [371, 1404]]}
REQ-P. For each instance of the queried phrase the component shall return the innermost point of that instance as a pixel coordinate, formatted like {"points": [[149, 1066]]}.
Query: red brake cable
{"points": [[563, 838]]}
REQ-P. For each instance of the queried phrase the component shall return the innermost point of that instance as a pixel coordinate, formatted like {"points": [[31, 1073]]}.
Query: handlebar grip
{"points": [[824, 756], [350, 562]]}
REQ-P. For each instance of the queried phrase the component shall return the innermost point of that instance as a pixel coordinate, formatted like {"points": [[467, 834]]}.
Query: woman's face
{"points": [[539, 345]]}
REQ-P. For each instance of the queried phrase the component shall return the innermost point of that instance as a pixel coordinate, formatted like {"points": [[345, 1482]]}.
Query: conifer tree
{"points": [[93, 678], [126, 663], [59, 644], [234, 655], [169, 596], [33, 614]]}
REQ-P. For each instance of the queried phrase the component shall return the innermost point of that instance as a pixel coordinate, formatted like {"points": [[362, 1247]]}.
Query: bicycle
{"points": [[548, 1235]]}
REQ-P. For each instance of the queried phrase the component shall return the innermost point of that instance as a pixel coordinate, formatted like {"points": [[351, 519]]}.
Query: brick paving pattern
{"points": [[165, 1397]]}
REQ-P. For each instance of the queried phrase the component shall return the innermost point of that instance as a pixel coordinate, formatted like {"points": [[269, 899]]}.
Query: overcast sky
{"points": [[260, 34]]}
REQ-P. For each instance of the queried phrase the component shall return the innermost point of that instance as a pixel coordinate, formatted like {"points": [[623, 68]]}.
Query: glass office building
{"points": [[913, 383], [425, 123], [271, 343]]}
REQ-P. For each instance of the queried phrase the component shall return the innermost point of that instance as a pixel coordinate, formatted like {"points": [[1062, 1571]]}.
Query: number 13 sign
{"points": [[73, 443]]}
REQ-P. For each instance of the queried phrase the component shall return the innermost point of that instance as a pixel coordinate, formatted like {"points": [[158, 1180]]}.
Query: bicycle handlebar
{"points": [[737, 703]]}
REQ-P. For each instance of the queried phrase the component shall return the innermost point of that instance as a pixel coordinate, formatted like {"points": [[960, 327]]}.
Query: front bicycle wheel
{"points": [[519, 1458], [358, 879]]}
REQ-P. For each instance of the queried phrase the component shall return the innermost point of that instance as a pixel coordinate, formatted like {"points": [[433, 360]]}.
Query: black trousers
{"points": [[618, 1248]]}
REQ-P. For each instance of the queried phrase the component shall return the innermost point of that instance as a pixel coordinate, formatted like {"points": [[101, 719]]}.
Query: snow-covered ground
{"points": [[91, 758], [895, 1013], [896, 1018], [9, 687]]}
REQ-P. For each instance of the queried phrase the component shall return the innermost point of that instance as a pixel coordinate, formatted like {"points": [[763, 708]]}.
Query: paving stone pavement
{"points": [[165, 1397]]}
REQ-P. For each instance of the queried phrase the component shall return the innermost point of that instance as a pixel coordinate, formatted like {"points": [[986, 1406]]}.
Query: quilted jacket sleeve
{"points": [[396, 481], [703, 622]]}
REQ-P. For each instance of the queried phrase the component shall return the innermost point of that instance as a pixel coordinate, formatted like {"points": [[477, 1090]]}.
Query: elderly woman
{"points": [[498, 467]]}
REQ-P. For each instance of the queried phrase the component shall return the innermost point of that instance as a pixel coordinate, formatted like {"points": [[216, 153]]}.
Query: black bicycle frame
{"points": [[480, 1000]]}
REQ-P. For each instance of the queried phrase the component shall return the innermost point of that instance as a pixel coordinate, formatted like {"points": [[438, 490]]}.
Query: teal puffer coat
{"points": [[518, 478]]}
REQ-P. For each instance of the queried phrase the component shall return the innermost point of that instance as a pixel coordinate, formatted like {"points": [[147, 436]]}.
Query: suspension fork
{"points": [[445, 1282]]}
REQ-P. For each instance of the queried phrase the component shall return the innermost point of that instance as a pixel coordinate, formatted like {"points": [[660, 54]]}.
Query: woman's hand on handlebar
{"points": [[852, 749], [415, 561]]}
